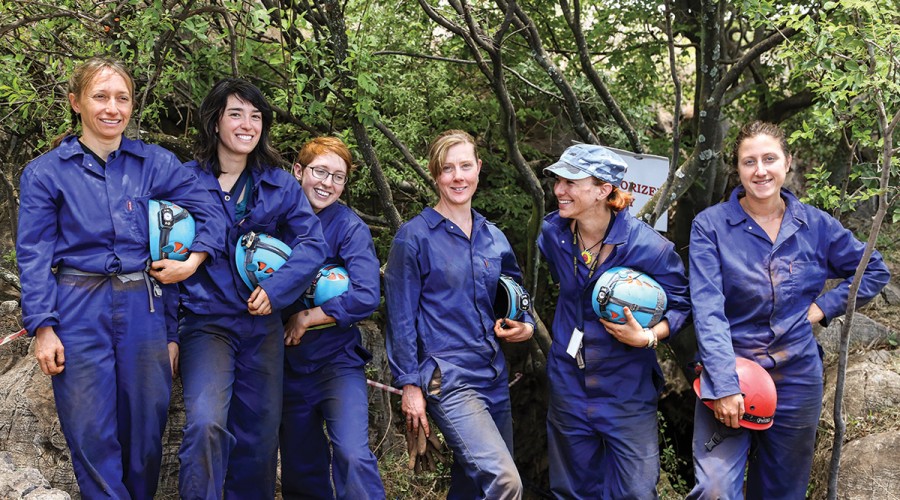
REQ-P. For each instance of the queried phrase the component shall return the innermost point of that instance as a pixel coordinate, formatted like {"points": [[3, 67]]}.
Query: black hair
{"points": [[211, 110]]}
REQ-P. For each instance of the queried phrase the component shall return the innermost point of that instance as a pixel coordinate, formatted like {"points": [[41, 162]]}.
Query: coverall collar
{"points": [[433, 218], [794, 213], [69, 148]]}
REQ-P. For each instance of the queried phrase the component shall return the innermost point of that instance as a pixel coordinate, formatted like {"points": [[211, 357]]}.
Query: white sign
{"points": [[645, 175]]}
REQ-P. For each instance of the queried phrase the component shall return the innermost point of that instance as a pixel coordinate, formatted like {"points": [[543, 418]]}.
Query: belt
{"points": [[153, 288]]}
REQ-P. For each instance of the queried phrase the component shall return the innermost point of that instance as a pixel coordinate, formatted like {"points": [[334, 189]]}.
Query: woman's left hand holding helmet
{"points": [[632, 333], [258, 304], [513, 331], [168, 271]]}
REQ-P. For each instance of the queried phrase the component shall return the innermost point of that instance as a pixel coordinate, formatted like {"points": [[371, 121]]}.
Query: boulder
{"points": [[872, 385], [869, 467], [865, 333], [25, 482]]}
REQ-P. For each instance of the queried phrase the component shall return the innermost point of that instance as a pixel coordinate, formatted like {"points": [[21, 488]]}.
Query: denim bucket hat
{"points": [[588, 160]]}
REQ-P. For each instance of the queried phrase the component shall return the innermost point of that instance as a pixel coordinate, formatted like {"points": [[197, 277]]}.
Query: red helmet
{"points": [[759, 394]]}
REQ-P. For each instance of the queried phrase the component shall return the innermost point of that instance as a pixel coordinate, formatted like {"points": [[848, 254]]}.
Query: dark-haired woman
{"points": [[604, 377], [443, 342], [231, 337], [99, 321], [759, 262]]}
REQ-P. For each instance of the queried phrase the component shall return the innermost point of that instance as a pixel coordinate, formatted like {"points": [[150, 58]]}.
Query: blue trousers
{"points": [[597, 453], [337, 397], [780, 458], [477, 426], [112, 398], [231, 369]]}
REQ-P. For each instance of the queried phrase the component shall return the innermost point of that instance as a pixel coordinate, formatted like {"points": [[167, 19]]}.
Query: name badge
{"points": [[575, 342]]}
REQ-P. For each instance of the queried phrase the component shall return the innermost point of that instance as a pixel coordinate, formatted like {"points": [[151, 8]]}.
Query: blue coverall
{"points": [[601, 424], [750, 299], [440, 288], [232, 361], [91, 222], [324, 380]]}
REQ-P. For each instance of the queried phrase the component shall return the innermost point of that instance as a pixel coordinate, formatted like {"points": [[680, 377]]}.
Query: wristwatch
{"points": [[652, 341]]}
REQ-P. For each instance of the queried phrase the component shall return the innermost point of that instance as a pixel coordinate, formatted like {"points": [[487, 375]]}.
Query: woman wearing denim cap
{"points": [[601, 424], [758, 263], [443, 342]]}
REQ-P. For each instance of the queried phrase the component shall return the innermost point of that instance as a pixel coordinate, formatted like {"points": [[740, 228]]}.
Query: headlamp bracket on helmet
{"points": [[251, 243], [167, 218]]}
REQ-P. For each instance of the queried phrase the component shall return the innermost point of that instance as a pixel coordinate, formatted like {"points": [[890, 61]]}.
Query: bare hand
{"points": [[630, 333], [729, 410], [168, 271], [173, 358], [413, 405], [814, 314], [258, 304], [515, 331], [49, 351], [295, 328]]}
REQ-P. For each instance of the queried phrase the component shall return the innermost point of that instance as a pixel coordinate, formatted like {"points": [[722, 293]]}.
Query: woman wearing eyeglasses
{"points": [[324, 380]]}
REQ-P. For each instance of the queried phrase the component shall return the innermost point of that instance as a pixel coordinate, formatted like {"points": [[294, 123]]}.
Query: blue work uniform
{"points": [[232, 361], [601, 423], [90, 221], [440, 287], [750, 299], [324, 380]]}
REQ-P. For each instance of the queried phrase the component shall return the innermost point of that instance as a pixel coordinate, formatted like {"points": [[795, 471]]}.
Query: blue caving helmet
{"points": [[257, 256], [511, 300], [621, 287], [331, 281], [172, 231]]}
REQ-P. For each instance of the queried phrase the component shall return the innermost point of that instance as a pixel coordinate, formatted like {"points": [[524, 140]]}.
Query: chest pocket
{"points": [[259, 223], [807, 278]]}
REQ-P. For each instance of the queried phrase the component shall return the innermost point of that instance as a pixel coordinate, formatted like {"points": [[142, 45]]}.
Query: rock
{"points": [[36, 448], [26, 482], [8, 306], [891, 293], [872, 385], [869, 467], [864, 333]]}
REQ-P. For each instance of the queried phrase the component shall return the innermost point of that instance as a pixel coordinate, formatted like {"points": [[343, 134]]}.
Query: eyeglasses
{"points": [[338, 178]]}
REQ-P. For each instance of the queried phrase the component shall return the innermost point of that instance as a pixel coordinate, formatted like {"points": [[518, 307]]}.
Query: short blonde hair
{"points": [[437, 151]]}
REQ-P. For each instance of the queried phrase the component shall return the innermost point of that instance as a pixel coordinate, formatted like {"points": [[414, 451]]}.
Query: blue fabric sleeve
{"points": [[35, 246], [181, 186], [668, 271], [719, 378], [302, 231], [358, 253], [402, 288], [843, 254]]}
